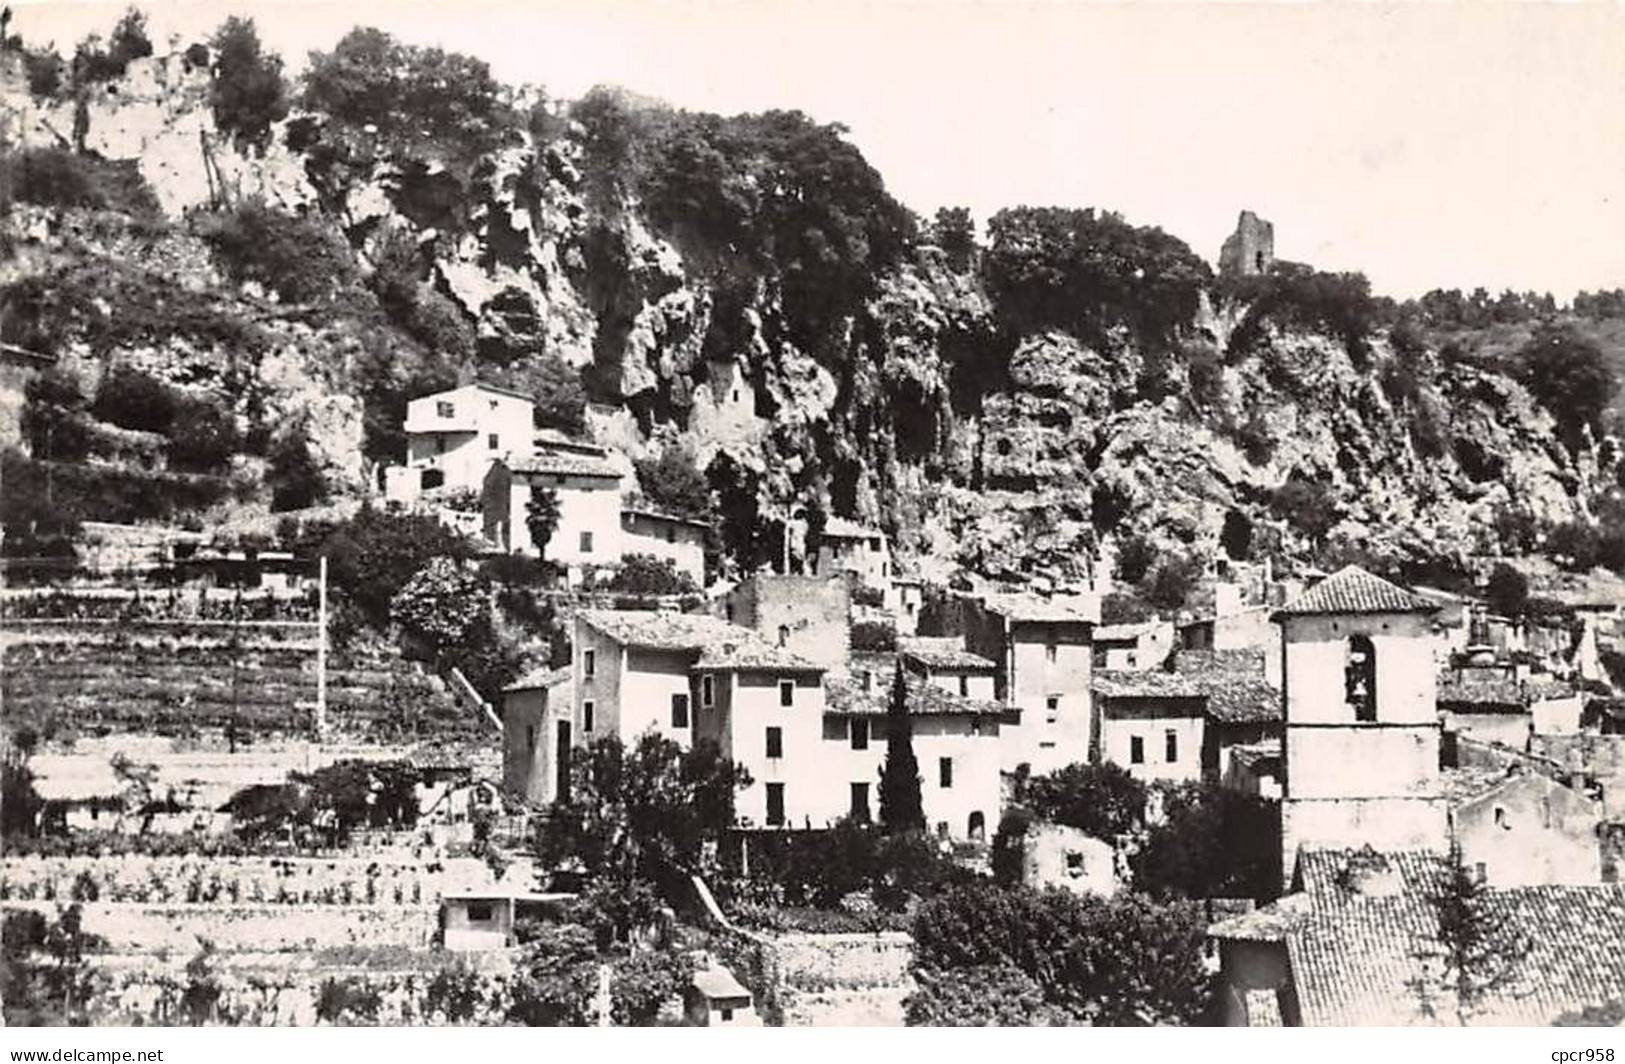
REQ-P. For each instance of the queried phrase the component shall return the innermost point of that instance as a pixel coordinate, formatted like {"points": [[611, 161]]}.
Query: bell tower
{"points": [[1362, 729]]}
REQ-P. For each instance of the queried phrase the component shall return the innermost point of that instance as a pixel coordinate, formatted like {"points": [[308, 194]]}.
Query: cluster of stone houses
{"points": [[474, 455]]}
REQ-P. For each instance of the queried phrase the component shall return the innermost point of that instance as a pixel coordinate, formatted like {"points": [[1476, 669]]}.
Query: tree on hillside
{"points": [[46, 970], [248, 93], [1308, 507], [954, 232], [296, 478], [373, 554], [1507, 591], [673, 482], [901, 809], [1213, 842], [1569, 375], [53, 417], [639, 817], [445, 607], [542, 515], [1101, 800]]}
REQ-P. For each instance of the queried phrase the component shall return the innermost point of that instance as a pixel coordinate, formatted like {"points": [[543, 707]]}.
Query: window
{"points": [[1049, 653], [1360, 678], [775, 804], [885, 569], [530, 737], [1501, 819], [479, 912], [977, 826], [586, 543], [493, 404], [860, 802], [868, 681], [708, 690], [1136, 750], [671, 535], [589, 663], [860, 735], [787, 692], [586, 715], [784, 634], [727, 1013], [945, 772], [445, 409], [492, 440], [679, 711], [440, 445], [1132, 660], [775, 742], [964, 687], [1170, 745], [1052, 703]]}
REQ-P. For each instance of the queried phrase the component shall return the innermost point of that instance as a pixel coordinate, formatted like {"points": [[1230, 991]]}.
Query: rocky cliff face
{"points": [[881, 415]]}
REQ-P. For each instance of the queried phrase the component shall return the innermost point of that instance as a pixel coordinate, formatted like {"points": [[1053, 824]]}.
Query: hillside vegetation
{"points": [[239, 326]]}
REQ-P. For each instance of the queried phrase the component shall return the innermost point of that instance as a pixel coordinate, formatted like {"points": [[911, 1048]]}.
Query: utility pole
{"points": [[321, 649]]}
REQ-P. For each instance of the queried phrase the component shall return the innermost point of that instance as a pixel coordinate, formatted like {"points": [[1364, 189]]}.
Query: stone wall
{"points": [[259, 928], [249, 881]]}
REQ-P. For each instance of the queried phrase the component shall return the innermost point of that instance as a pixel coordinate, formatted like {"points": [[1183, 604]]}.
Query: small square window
{"points": [[479, 912], [1052, 703], [1049, 652], [1136, 750], [727, 1013], [492, 441], [671, 535], [945, 772], [679, 711], [445, 409], [787, 692], [586, 715], [860, 735], [586, 543], [775, 742]]}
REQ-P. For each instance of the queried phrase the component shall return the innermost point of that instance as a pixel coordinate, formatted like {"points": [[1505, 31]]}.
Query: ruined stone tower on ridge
{"points": [[1250, 249]]}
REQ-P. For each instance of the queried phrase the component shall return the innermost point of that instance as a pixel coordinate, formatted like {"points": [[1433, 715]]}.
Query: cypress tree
{"points": [[900, 807]]}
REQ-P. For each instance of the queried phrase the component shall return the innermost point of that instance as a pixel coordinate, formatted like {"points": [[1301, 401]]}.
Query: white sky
{"points": [[1447, 145]]}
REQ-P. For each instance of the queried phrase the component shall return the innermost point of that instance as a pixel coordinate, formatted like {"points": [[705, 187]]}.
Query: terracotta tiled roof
{"points": [[1153, 683], [558, 464], [943, 653], [845, 696], [753, 654], [637, 509], [1264, 1008], [1121, 633], [1019, 606], [716, 643], [540, 678], [1234, 682], [1353, 590], [1494, 691], [1363, 958]]}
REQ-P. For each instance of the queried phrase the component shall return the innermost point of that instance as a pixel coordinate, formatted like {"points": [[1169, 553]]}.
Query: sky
{"points": [[1434, 145]]}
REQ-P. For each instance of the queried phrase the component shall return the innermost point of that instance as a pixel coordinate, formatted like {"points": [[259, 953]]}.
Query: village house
{"points": [[587, 483], [1498, 704], [478, 920], [537, 734], [452, 437], [666, 537], [693, 676], [1125, 647], [955, 739], [714, 998], [1234, 625], [1044, 649], [910, 601], [944, 661], [1528, 830], [807, 615], [1359, 944], [1362, 731], [1243, 707], [844, 546], [1149, 724], [1257, 769]]}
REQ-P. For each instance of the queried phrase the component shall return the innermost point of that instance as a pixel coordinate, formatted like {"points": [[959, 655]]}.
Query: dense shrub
{"points": [[1102, 800], [673, 482], [1124, 607], [644, 574], [1508, 591], [248, 93], [58, 177], [1091, 959], [372, 555], [300, 258], [1297, 296], [1086, 271], [1569, 375], [821, 869], [1213, 842], [874, 636], [295, 476]]}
